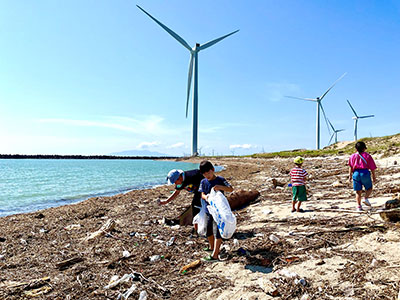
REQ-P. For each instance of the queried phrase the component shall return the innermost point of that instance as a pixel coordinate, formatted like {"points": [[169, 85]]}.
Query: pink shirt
{"points": [[356, 162], [298, 176]]}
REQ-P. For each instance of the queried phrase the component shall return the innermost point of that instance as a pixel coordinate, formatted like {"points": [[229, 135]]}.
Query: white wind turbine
{"points": [[193, 68], [334, 134], [355, 118], [319, 106]]}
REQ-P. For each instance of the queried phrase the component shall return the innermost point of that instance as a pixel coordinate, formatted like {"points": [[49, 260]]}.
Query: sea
{"points": [[28, 185]]}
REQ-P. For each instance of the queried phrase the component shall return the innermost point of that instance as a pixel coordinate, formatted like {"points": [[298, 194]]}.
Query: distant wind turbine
{"points": [[193, 68], [334, 134], [355, 118], [319, 106]]}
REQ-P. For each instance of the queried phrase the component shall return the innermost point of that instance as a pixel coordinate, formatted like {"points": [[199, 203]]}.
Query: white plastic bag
{"points": [[201, 219], [221, 211]]}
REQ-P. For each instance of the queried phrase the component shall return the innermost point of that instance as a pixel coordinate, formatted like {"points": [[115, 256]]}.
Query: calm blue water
{"points": [[30, 184]]}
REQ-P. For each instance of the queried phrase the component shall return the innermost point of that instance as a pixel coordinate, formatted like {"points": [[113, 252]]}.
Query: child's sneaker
{"points": [[366, 202], [359, 208]]}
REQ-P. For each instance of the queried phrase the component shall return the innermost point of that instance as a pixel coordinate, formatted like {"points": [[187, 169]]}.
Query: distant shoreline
{"points": [[43, 156]]}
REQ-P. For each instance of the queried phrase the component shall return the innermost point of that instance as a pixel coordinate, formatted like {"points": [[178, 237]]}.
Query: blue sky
{"points": [[95, 77]]}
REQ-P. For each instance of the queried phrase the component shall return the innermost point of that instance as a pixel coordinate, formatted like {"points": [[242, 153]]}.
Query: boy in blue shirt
{"points": [[218, 183]]}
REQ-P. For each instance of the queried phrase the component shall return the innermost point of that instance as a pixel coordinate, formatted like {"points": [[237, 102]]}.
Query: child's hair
{"points": [[206, 166], [361, 147]]}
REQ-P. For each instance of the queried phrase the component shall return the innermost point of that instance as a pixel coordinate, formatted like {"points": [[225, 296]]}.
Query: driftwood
{"points": [[391, 212], [190, 266], [107, 227], [69, 262]]}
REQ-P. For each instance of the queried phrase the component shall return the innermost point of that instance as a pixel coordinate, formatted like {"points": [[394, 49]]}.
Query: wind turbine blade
{"points": [[173, 34], [326, 119], [306, 99], [213, 42], [369, 116], [352, 108], [339, 130], [189, 82], [332, 86], [331, 138], [331, 125]]}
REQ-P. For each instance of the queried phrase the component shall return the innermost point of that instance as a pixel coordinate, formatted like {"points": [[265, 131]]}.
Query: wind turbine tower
{"points": [[355, 118], [193, 68], [319, 107], [334, 134]]}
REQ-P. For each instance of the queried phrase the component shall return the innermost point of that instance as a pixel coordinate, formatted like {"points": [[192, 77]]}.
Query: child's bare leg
{"points": [[298, 206], [217, 245], [368, 193], [294, 205], [358, 197], [211, 241]]}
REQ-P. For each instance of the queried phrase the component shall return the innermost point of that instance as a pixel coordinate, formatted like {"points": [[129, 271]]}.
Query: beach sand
{"points": [[328, 252]]}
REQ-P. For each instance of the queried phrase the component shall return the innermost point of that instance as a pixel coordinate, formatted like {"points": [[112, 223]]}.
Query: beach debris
{"points": [[143, 295], [235, 243], [189, 243], [43, 230], [301, 281], [155, 258], [191, 266], [68, 262], [124, 278], [171, 241], [2, 256], [241, 198], [106, 228], [242, 252], [126, 254], [287, 273], [72, 227], [374, 263], [274, 238], [175, 227], [2, 240], [305, 297], [277, 183], [267, 211], [125, 295], [268, 287], [38, 292], [23, 242], [391, 212], [39, 216], [291, 259], [337, 183]]}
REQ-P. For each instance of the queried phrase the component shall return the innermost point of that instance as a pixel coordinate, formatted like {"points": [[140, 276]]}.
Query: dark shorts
{"points": [[212, 227], [299, 193], [362, 177], [196, 203]]}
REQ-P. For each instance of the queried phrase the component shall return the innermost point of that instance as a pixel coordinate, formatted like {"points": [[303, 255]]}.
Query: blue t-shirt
{"points": [[206, 185]]}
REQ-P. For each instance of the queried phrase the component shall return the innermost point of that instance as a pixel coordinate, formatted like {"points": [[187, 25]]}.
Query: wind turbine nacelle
{"points": [[354, 118]]}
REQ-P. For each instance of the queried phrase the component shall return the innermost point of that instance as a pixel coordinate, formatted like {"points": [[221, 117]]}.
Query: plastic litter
{"points": [[201, 219], [236, 243], [222, 214], [274, 238], [126, 254], [155, 258], [143, 295], [171, 241], [301, 281], [124, 278], [287, 273]]}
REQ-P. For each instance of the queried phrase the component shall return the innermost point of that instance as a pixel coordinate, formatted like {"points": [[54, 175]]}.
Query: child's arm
{"points": [[350, 173], [373, 176], [223, 188], [170, 198], [204, 196]]}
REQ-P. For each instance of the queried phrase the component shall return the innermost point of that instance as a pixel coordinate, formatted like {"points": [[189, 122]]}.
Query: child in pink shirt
{"points": [[360, 165]]}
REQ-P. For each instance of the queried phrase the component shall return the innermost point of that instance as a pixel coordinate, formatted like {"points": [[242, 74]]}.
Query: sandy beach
{"points": [[328, 252]]}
